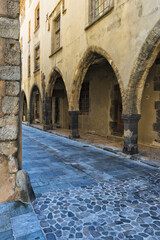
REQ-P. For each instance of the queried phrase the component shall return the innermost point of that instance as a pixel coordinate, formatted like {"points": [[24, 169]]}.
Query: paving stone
{"points": [[6, 235], [121, 206]]}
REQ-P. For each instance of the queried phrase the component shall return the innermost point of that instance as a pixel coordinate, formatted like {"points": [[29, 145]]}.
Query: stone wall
{"points": [[10, 150]]}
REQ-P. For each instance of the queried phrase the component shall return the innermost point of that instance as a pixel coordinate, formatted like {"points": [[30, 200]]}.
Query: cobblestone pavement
{"points": [[114, 210], [82, 193]]}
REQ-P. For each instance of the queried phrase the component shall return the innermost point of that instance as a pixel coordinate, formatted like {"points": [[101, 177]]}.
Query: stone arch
{"points": [[88, 58], [55, 73], [144, 62], [31, 105], [24, 106], [56, 102]]}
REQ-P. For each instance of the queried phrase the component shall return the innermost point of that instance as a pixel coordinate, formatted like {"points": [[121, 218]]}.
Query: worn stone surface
{"points": [[8, 120], [9, 98], [26, 193], [12, 52], [11, 73], [2, 49], [2, 89], [9, 28], [3, 9], [7, 182], [12, 88], [8, 148], [8, 133], [10, 105], [89, 193], [13, 8]]}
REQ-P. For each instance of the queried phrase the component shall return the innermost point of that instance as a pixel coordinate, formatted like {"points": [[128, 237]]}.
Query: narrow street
{"points": [[85, 193]]}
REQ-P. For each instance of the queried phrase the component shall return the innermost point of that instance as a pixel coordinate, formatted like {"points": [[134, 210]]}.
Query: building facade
{"points": [[93, 66]]}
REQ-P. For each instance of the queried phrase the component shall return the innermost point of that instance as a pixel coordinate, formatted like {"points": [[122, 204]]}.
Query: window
{"points": [[57, 28], [29, 66], [29, 31], [37, 17], [99, 8], [37, 57], [84, 98]]}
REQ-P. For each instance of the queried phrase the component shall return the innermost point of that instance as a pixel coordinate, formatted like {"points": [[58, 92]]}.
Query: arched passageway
{"points": [[56, 103], [142, 96], [96, 96], [100, 104], [60, 116], [150, 107], [35, 106], [24, 107]]}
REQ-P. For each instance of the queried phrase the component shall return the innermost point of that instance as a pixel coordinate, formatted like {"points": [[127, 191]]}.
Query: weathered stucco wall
{"points": [[101, 83], [10, 156], [148, 134], [121, 34], [128, 37]]}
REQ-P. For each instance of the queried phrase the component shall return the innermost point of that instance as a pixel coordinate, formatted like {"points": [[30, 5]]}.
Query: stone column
{"points": [[47, 113], [131, 133], [74, 124]]}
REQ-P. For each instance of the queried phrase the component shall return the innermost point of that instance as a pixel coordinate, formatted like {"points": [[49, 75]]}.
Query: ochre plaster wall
{"points": [[119, 36], [147, 134], [101, 81]]}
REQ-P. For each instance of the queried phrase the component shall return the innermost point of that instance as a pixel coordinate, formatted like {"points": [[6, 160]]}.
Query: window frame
{"points": [[93, 17], [57, 33], [37, 16], [37, 58]]}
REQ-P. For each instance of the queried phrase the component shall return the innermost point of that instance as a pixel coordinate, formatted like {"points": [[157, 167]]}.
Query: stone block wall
{"points": [[10, 157]]}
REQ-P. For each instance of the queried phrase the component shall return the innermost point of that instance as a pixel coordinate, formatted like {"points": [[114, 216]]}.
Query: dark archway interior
{"points": [[100, 102], [24, 108], [36, 106], [150, 107], [60, 116]]}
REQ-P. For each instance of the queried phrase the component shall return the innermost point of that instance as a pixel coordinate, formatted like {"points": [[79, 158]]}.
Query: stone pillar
{"points": [[10, 129], [74, 124], [9, 98], [47, 113], [131, 133]]}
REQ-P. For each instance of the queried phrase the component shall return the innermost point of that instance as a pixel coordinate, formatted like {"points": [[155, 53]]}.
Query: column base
{"points": [[74, 124], [47, 127], [130, 149], [131, 133]]}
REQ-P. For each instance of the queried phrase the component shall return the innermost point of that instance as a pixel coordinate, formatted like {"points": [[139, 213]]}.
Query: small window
{"points": [[37, 17], [37, 57], [29, 66], [99, 8], [84, 98], [56, 33], [29, 31]]}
